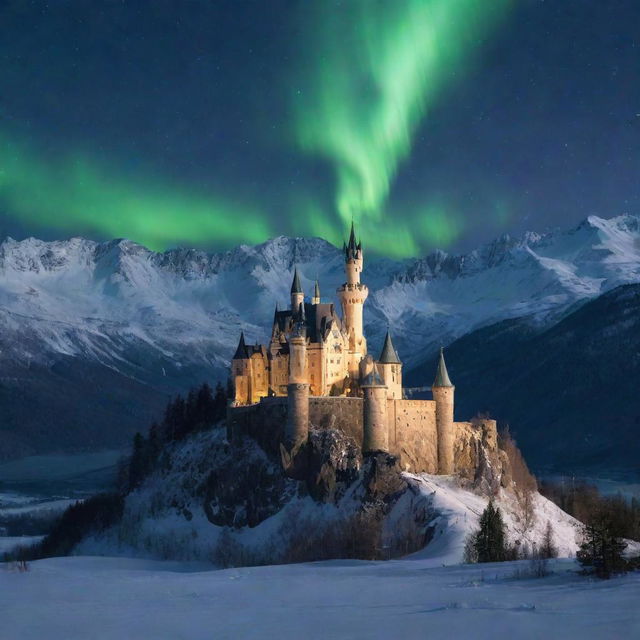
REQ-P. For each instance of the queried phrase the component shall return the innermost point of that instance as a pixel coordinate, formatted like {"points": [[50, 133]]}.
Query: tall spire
{"points": [[241, 351], [388, 355], [296, 287], [352, 247], [352, 236], [442, 377], [316, 293]]}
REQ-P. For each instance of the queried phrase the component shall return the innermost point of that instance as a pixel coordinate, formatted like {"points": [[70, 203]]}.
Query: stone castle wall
{"points": [[412, 429], [412, 434]]}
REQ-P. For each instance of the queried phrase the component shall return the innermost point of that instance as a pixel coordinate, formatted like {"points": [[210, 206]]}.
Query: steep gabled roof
{"points": [[296, 287], [442, 377], [388, 355]]}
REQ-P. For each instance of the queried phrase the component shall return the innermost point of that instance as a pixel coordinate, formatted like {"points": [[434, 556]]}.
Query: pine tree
{"points": [[219, 403], [548, 548], [602, 547], [490, 544], [137, 463]]}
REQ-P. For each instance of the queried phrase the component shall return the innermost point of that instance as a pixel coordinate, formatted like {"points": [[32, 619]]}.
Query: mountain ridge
{"points": [[158, 323]]}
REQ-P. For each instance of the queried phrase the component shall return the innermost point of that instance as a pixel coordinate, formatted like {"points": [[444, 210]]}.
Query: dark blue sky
{"points": [[181, 107]]}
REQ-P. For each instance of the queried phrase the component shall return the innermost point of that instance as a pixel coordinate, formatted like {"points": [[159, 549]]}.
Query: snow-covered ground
{"points": [[86, 597], [36, 490]]}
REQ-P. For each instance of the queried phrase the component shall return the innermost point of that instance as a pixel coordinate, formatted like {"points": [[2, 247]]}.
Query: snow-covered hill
{"points": [[170, 515], [114, 328]]}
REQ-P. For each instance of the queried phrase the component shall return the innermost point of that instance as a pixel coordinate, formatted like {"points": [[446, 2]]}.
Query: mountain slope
{"points": [[95, 337], [570, 392]]}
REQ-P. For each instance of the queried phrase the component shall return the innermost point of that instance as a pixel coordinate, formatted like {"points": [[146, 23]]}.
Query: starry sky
{"points": [[430, 123]]}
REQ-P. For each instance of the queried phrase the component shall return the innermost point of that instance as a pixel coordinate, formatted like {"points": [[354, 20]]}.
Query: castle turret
{"points": [[316, 294], [443, 391], [352, 295], [390, 369], [375, 425], [297, 426], [297, 295], [240, 373]]}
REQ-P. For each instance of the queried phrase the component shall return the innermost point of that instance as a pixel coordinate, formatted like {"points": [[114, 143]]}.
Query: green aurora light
{"points": [[376, 67], [77, 194]]}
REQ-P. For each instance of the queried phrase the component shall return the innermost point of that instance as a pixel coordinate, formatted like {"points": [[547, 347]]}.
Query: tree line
{"points": [[200, 410]]}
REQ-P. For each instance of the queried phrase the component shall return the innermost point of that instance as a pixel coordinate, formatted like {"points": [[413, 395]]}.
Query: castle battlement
{"points": [[316, 373]]}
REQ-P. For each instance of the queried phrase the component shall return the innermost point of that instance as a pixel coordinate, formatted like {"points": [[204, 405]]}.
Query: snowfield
{"points": [[114, 598]]}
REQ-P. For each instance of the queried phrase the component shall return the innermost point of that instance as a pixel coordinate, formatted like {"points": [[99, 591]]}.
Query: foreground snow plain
{"points": [[90, 597]]}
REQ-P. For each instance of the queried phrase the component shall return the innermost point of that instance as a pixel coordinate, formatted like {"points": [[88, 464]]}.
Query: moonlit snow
{"points": [[84, 597], [92, 300]]}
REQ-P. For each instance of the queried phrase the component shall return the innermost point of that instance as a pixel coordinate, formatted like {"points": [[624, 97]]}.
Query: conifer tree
{"points": [[548, 548], [602, 546], [137, 463], [219, 403], [490, 544]]}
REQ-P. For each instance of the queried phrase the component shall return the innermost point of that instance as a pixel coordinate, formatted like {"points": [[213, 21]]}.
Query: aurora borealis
{"points": [[377, 69], [431, 123]]}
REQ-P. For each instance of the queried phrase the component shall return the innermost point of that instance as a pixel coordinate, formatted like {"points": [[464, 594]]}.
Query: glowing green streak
{"points": [[79, 196], [378, 66]]}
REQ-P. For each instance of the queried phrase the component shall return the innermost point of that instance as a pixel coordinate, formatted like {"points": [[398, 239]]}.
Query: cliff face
{"points": [[478, 460]]}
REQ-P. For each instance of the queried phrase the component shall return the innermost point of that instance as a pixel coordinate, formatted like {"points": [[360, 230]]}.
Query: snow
{"points": [[80, 597], [457, 512], [154, 523], [95, 301]]}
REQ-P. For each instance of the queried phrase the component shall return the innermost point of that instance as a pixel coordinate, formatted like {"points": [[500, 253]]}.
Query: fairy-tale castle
{"points": [[317, 372]]}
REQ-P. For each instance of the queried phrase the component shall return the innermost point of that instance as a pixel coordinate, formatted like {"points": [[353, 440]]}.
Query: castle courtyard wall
{"points": [[412, 434]]}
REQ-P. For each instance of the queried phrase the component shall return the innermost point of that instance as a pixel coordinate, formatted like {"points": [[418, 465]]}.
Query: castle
{"points": [[317, 371]]}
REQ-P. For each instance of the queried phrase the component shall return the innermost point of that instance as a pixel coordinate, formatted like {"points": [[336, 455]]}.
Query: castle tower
{"points": [[442, 391], [316, 294], [297, 426], [240, 373], [352, 296], [390, 369], [376, 428], [297, 295]]}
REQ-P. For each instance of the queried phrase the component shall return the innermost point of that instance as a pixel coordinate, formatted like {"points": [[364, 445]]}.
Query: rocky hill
{"points": [[235, 506]]}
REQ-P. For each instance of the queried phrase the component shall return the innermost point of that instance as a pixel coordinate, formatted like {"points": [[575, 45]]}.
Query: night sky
{"points": [[431, 123]]}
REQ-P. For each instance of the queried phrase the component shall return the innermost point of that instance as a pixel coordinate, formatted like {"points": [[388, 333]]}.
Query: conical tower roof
{"points": [[373, 379], [442, 377], [241, 351], [296, 287], [388, 355]]}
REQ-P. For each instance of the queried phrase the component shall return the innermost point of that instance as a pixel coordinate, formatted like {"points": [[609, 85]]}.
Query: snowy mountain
{"points": [[94, 335], [568, 391]]}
